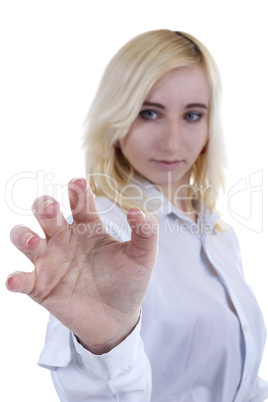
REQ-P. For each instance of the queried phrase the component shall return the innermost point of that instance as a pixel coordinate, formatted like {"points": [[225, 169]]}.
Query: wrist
{"points": [[105, 347]]}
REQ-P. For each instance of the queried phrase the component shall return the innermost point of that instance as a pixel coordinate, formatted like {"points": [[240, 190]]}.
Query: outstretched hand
{"points": [[89, 281]]}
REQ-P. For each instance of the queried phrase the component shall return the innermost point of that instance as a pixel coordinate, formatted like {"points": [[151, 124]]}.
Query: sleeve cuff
{"points": [[119, 360]]}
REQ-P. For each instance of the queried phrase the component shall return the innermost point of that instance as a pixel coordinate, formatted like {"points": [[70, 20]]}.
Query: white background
{"points": [[52, 57]]}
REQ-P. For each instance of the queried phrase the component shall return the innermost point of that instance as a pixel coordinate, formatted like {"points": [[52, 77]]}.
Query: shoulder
{"points": [[218, 229], [108, 209], [114, 218], [223, 244], [227, 235]]}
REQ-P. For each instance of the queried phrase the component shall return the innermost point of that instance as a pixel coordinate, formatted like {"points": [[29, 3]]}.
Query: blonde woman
{"points": [[144, 283]]}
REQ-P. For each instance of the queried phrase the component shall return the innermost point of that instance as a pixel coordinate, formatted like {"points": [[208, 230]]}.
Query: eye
{"points": [[193, 116], [149, 114]]}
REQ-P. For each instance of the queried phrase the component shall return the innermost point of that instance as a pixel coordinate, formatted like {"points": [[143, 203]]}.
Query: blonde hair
{"points": [[126, 82]]}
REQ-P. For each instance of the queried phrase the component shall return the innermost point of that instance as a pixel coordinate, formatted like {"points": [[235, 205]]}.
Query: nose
{"points": [[171, 136]]}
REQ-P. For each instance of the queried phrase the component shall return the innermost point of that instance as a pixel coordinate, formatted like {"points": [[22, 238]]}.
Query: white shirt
{"points": [[201, 335]]}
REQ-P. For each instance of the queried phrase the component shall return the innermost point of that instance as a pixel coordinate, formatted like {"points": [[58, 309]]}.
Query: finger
{"points": [[144, 236], [82, 201], [47, 211], [22, 282], [28, 242]]}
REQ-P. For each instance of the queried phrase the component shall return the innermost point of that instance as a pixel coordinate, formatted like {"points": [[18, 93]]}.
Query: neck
{"points": [[181, 197]]}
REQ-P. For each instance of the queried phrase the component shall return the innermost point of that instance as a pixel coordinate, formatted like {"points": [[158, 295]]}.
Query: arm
{"points": [[93, 284], [124, 373]]}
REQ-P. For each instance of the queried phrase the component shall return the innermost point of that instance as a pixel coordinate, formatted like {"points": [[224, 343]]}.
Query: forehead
{"points": [[183, 83]]}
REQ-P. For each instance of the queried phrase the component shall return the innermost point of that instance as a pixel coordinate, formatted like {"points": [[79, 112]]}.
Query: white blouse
{"points": [[201, 335]]}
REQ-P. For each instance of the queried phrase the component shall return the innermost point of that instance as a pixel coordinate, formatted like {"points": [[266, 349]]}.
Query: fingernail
{"points": [[137, 211], [9, 281], [143, 214], [28, 238], [47, 203], [84, 184], [77, 179]]}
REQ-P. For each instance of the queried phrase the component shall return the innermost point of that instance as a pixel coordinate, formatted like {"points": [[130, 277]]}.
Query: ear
{"points": [[203, 150], [117, 146]]}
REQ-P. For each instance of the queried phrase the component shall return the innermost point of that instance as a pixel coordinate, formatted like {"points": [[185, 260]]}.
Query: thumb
{"points": [[144, 236], [21, 282]]}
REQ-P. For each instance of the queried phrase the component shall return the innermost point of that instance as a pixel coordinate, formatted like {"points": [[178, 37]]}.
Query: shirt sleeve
{"points": [[78, 375], [122, 375]]}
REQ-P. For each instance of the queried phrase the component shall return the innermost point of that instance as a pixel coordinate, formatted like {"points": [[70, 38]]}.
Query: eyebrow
{"points": [[189, 106], [146, 103]]}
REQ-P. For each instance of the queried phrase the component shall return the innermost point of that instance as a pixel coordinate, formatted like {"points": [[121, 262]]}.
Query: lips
{"points": [[167, 165]]}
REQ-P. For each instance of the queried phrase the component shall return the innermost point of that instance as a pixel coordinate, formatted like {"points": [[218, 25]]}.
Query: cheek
{"points": [[200, 138], [195, 145], [135, 143]]}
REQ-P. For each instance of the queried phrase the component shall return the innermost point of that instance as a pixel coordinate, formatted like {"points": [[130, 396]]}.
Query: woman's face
{"points": [[171, 129]]}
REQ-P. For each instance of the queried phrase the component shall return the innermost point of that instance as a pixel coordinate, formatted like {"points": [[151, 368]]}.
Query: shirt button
{"points": [[245, 328], [246, 377]]}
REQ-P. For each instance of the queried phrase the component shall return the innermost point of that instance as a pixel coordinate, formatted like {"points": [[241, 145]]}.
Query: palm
{"points": [[92, 283]]}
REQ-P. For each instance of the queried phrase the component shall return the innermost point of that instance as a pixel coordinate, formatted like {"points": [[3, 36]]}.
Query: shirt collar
{"points": [[151, 199]]}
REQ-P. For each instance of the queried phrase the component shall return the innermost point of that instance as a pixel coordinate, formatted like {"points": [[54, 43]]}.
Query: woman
{"points": [[147, 296]]}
